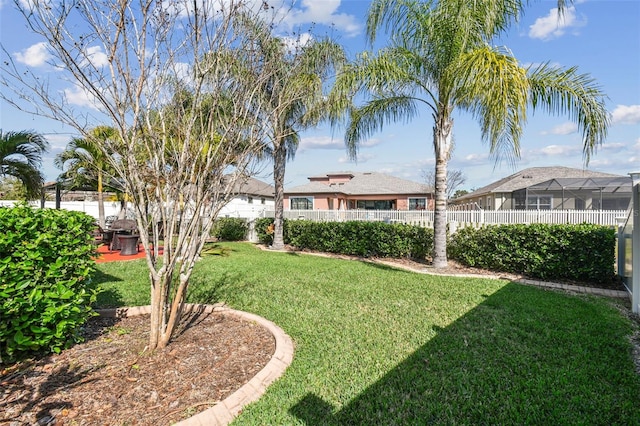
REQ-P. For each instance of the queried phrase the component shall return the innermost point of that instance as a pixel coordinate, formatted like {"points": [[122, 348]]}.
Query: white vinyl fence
{"points": [[462, 218], [89, 207]]}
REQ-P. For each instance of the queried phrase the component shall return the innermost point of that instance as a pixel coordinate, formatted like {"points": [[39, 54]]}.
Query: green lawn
{"points": [[376, 345]]}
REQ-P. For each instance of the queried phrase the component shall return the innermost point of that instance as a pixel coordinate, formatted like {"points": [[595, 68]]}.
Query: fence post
{"points": [[453, 227], [635, 244], [252, 235], [620, 268]]}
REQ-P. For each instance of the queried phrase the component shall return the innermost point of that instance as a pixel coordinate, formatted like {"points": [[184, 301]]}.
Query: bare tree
{"points": [[455, 178], [159, 74]]}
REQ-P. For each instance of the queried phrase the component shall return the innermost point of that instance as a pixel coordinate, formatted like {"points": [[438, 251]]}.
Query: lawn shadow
{"points": [[381, 266], [106, 298], [501, 362], [208, 290]]}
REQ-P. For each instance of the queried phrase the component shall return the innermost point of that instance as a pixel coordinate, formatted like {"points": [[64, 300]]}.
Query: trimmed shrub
{"points": [[46, 261], [230, 229], [571, 252], [368, 239], [262, 227]]}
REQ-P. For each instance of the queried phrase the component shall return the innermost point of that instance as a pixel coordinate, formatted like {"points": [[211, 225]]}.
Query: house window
{"points": [[262, 200], [250, 200], [374, 205], [539, 202], [301, 203], [417, 203]]}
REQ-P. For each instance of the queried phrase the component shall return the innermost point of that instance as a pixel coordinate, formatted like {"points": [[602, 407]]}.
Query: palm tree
{"points": [[291, 98], [21, 157], [441, 57], [86, 163]]}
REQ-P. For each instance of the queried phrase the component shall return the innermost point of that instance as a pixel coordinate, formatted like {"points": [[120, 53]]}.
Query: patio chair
{"points": [[121, 226]]}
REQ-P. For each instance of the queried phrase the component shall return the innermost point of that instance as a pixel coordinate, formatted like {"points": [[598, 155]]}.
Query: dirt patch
{"points": [[112, 378]]}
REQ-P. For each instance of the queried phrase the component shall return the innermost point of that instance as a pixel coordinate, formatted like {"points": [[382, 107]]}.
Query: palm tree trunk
{"points": [[442, 142], [279, 164]]}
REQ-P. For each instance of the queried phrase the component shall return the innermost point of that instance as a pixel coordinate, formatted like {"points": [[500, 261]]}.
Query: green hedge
{"points": [[572, 252], [369, 239], [46, 261], [261, 230], [230, 229]]}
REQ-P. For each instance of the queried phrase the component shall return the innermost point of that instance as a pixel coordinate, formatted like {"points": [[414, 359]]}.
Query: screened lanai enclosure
{"points": [[606, 193]]}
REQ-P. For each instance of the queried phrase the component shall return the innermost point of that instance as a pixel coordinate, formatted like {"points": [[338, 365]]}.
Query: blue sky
{"points": [[601, 37]]}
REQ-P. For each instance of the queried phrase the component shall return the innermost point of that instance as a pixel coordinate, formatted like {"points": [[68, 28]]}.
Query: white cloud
{"points": [[76, 95], [36, 55], [613, 147], [328, 142], [370, 143], [474, 159], [57, 142], [562, 129], [321, 142], [559, 150], [295, 43], [184, 72], [96, 56], [554, 26], [362, 158], [626, 114], [322, 12]]}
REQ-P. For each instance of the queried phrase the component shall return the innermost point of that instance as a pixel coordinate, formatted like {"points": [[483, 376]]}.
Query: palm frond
{"points": [[495, 89], [371, 118], [21, 157], [564, 91]]}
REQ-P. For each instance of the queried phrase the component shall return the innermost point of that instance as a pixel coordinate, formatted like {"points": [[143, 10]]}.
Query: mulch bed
{"points": [[112, 378]]}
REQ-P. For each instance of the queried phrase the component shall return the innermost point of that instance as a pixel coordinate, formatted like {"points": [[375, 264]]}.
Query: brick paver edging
{"points": [[226, 410]]}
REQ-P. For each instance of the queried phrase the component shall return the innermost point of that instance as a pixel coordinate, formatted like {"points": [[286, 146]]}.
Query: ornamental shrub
{"points": [[262, 225], [569, 252], [46, 261], [230, 229], [368, 239]]}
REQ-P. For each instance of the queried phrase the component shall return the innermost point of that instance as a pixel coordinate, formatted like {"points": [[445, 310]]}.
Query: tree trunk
{"points": [[442, 146], [157, 312], [279, 164]]}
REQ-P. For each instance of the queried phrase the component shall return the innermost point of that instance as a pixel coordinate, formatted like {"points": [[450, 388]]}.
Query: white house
{"points": [[252, 197]]}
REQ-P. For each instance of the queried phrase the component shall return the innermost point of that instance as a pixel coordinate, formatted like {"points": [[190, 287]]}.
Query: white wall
{"points": [[89, 207], [238, 207], [241, 207]]}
